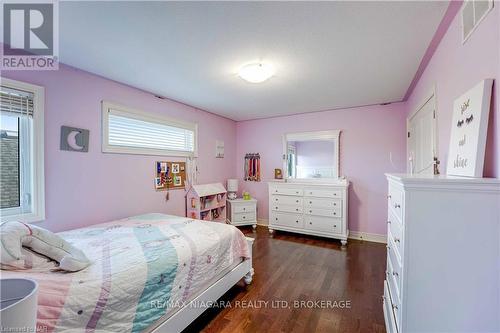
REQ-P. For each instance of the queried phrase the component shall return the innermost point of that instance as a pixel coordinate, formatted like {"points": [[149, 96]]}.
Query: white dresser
{"points": [[242, 212], [443, 254], [309, 208]]}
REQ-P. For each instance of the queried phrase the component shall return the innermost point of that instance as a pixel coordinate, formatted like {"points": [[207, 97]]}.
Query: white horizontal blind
{"points": [[16, 101], [127, 131]]}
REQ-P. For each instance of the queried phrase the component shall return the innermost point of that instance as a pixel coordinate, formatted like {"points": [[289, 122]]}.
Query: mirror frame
{"points": [[313, 136]]}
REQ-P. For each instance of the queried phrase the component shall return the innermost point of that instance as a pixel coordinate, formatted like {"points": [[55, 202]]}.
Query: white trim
{"points": [[263, 222], [37, 158], [368, 237], [313, 136], [429, 96], [145, 116]]}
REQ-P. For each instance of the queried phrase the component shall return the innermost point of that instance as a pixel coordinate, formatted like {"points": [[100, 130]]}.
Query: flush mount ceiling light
{"points": [[256, 72]]}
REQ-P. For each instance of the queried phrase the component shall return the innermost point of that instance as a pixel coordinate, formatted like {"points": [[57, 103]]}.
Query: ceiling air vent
{"points": [[473, 12]]}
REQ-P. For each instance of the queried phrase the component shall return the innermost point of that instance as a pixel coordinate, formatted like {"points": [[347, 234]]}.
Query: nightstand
{"points": [[242, 212]]}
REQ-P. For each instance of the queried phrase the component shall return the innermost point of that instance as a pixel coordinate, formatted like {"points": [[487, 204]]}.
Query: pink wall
{"points": [[453, 69], [369, 135], [88, 188]]}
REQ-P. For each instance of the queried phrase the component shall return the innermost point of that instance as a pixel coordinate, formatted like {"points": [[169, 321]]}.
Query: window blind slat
{"points": [[16, 101], [130, 132]]}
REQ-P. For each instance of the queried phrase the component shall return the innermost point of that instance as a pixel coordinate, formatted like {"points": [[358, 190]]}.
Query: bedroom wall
{"points": [[453, 69], [88, 188], [369, 135]]}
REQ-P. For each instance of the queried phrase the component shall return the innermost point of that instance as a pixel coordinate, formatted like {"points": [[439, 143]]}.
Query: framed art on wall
{"points": [[468, 131]]}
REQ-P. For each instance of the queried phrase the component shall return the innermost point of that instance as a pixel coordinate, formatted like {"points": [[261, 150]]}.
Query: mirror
{"points": [[311, 155]]}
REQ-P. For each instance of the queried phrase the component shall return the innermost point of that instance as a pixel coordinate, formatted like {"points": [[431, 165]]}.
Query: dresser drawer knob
{"points": [[397, 206], [395, 274], [388, 247], [334, 213], [310, 211], [244, 217], [335, 226], [297, 209], [310, 202], [397, 240], [297, 221], [395, 307], [297, 201], [276, 219], [388, 222], [389, 196], [310, 223]]}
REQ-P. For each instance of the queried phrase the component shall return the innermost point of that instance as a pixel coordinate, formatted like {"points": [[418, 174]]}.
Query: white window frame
{"points": [[149, 117], [37, 177]]}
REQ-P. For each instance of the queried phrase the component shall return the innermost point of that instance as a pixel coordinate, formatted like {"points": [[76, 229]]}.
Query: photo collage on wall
{"points": [[170, 175]]}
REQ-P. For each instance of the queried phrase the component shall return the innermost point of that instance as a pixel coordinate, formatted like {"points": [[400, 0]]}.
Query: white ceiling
{"points": [[327, 54]]}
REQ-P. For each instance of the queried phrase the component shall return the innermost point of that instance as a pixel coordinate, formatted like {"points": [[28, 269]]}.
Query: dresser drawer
{"points": [[396, 201], [390, 320], [323, 224], [244, 217], [287, 191], [393, 279], [287, 220], [393, 252], [335, 212], [286, 208], [243, 208], [321, 193], [322, 203], [395, 228], [286, 200]]}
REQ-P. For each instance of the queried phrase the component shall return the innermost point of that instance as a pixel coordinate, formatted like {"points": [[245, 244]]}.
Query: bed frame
{"points": [[184, 316]]}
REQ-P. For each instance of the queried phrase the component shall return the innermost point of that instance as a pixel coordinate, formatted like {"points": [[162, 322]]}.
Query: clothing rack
{"points": [[252, 167]]}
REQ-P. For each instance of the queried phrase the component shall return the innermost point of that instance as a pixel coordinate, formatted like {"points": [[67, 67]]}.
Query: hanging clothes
{"points": [[252, 167]]}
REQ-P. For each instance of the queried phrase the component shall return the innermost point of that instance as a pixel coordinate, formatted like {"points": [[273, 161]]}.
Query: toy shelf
{"points": [[207, 202]]}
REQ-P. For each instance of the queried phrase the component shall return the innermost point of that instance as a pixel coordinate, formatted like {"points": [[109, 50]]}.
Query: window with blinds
{"points": [[135, 132], [20, 160]]}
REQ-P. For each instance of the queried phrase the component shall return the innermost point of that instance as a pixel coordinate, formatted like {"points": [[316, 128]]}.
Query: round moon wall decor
{"points": [[74, 139]]}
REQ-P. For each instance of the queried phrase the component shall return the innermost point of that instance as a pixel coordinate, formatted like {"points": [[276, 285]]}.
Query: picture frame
{"points": [[468, 131], [278, 174]]}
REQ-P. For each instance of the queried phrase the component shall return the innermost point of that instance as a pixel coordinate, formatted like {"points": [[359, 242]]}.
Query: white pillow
{"points": [[14, 235]]}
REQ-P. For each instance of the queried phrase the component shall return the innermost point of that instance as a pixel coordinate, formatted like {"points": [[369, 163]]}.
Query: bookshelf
{"points": [[207, 202]]}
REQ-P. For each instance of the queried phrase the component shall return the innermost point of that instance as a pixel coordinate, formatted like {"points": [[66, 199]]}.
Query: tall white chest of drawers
{"points": [[443, 254], [310, 208]]}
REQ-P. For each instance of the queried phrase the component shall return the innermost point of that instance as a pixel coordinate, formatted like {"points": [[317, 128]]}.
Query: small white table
{"points": [[242, 212]]}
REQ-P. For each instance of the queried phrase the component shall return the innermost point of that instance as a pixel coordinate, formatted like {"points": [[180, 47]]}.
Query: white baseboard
{"points": [[263, 222], [365, 236]]}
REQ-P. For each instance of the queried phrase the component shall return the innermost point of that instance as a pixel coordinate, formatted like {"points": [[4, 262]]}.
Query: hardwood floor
{"points": [[291, 267]]}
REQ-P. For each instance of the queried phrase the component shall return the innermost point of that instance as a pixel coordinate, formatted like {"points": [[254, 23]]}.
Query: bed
{"points": [[149, 273]]}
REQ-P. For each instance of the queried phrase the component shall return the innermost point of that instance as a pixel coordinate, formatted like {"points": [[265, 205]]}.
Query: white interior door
{"points": [[422, 138]]}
